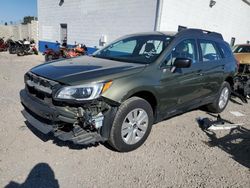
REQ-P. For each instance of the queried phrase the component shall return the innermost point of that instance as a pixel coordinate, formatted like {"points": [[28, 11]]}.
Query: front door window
{"points": [[185, 49]]}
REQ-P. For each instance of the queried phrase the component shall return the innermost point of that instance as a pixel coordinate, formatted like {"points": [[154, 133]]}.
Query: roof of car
{"points": [[242, 45], [167, 33], [191, 31]]}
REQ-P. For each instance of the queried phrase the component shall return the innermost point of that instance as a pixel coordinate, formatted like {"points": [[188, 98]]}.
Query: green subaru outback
{"points": [[119, 92]]}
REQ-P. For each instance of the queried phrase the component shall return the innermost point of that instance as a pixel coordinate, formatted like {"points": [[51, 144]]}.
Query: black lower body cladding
{"points": [[83, 124], [45, 111]]}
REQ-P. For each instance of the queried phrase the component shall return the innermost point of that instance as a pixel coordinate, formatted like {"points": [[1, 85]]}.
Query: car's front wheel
{"points": [[222, 99], [132, 125]]}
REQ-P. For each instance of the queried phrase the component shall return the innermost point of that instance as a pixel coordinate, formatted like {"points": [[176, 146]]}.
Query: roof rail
{"points": [[201, 32]]}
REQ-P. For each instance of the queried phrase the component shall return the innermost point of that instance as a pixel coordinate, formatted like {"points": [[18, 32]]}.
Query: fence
{"points": [[20, 32]]}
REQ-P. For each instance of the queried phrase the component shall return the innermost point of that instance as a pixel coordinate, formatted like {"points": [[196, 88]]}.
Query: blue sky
{"points": [[15, 10]]}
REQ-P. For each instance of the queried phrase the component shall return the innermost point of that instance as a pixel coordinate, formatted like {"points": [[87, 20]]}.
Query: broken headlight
{"points": [[83, 92]]}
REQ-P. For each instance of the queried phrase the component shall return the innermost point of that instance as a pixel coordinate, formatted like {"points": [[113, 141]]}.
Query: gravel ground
{"points": [[176, 154]]}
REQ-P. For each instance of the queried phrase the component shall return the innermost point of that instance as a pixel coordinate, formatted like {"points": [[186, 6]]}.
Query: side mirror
{"points": [[182, 63]]}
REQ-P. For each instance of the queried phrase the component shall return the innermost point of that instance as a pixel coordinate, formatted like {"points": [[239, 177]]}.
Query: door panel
{"points": [[213, 77], [213, 67], [180, 87], [185, 84]]}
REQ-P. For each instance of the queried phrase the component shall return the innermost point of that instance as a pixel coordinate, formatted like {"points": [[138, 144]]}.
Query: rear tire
{"points": [[48, 58], [132, 125], [221, 100], [20, 54]]}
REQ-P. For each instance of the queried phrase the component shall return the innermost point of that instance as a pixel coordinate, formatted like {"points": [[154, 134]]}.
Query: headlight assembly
{"points": [[83, 92]]}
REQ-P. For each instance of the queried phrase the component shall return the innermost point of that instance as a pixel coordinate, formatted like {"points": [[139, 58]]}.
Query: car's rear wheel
{"points": [[222, 99], [132, 125]]}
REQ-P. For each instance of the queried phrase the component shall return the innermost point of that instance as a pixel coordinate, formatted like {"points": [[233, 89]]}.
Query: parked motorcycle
{"points": [[64, 51], [27, 48], [14, 45], [78, 50], [3, 45], [51, 54]]}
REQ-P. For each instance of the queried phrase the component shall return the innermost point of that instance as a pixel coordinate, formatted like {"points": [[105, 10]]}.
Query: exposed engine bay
{"points": [[241, 88], [85, 122]]}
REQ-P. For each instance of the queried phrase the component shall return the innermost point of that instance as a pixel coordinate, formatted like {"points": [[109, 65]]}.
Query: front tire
{"points": [[222, 99], [20, 52], [35, 52], [132, 125]]}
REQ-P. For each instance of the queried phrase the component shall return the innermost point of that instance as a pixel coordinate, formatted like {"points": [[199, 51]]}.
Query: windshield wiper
{"points": [[110, 58]]}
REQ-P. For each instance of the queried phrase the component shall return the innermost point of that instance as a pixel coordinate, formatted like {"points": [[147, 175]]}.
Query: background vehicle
{"points": [[64, 51], [3, 45], [123, 89], [27, 48], [242, 79], [50, 54], [78, 50], [14, 45]]}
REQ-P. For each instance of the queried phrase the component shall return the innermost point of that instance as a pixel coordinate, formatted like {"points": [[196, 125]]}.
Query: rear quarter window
{"points": [[225, 50]]}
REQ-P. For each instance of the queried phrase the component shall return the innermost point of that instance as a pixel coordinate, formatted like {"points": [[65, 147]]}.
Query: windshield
{"points": [[242, 49], [137, 49]]}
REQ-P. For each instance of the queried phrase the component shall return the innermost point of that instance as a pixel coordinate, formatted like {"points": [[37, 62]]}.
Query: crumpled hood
{"points": [[85, 69]]}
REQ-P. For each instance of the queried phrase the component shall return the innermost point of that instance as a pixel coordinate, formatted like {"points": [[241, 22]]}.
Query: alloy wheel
{"points": [[224, 96], [134, 126]]}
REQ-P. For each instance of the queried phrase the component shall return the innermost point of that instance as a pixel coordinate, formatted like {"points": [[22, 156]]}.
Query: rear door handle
{"points": [[199, 72]]}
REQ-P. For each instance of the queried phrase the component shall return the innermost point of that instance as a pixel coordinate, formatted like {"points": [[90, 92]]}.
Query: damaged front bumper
{"points": [[83, 124]]}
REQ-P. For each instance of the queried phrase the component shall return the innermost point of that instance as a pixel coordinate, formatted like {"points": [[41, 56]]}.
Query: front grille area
{"points": [[39, 86]]}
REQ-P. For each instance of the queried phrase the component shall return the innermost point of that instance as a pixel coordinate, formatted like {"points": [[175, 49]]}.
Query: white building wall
{"points": [[5, 31], [33, 30], [19, 32], [229, 17], [88, 20], [23, 31]]}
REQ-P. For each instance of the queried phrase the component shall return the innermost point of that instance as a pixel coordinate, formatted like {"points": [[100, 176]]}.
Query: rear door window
{"points": [[225, 50], [209, 51]]}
